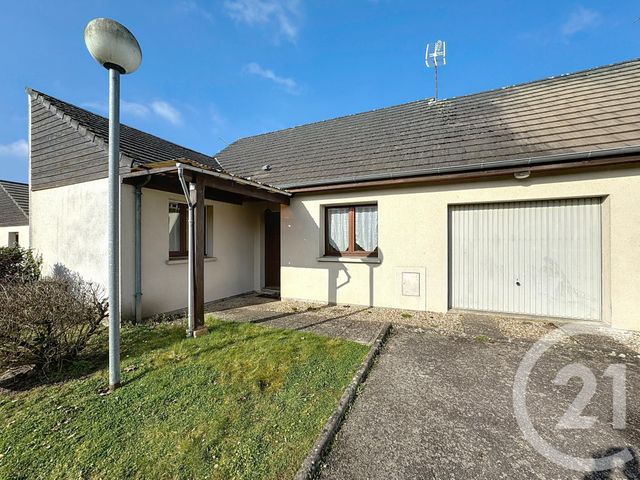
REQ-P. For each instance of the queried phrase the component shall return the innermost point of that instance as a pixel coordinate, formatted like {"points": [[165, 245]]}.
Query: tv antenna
{"points": [[439, 50]]}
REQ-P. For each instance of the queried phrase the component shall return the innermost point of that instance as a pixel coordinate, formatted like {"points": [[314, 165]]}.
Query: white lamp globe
{"points": [[112, 45]]}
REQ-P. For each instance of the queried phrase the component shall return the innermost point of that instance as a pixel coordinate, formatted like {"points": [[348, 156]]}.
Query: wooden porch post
{"points": [[197, 198]]}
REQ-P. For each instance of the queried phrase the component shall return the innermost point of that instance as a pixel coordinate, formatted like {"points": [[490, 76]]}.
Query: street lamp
{"points": [[117, 50]]}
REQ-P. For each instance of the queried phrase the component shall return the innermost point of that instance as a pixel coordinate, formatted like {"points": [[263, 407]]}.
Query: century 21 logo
{"points": [[572, 417]]}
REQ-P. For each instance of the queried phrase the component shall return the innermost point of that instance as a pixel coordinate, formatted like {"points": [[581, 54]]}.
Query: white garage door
{"points": [[535, 258]]}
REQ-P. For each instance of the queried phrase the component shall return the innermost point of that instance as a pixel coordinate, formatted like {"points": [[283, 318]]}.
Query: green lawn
{"points": [[245, 401]]}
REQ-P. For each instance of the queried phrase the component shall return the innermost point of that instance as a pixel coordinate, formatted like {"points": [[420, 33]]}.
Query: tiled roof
{"points": [[595, 109], [14, 203], [134, 144]]}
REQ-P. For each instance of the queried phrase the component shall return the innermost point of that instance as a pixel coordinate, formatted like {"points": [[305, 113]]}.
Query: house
{"points": [[519, 200], [14, 214]]}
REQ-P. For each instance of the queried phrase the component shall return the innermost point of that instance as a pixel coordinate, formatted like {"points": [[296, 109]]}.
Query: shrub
{"points": [[48, 322], [19, 264]]}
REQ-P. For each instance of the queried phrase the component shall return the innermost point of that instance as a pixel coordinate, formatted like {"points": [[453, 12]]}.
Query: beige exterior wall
{"points": [[413, 236], [69, 227], [23, 235], [234, 268]]}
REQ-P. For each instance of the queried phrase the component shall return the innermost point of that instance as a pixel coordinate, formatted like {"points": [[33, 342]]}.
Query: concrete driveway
{"points": [[441, 406], [439, 401]]}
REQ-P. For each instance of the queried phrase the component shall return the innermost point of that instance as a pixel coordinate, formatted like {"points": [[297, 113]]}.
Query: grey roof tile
{"points": [[579, 112], [14, 203], [134, 144]]}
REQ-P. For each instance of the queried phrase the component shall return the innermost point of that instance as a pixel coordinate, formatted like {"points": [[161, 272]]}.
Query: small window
{"points": [[351, 230], [179, 230], [14, 239]]}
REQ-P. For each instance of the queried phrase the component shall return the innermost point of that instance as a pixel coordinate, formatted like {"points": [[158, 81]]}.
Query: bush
{"points": [[19, 264], [48, 322]]}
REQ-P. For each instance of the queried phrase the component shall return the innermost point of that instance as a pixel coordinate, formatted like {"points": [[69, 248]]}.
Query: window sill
{"points": [[179, 261], [349, 259]]}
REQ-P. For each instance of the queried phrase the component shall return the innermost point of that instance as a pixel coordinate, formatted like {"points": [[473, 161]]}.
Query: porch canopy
{"points": [[202, 182]]}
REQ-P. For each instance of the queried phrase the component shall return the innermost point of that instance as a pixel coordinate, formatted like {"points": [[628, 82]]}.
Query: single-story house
{"points": [[520, 200], [14, 214]]}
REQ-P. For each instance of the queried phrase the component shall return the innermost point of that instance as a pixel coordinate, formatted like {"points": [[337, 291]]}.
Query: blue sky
{"points": [[214, 71]]}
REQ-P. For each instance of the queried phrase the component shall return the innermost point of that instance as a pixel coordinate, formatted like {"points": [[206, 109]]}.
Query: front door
{"points": [[272, 249]]}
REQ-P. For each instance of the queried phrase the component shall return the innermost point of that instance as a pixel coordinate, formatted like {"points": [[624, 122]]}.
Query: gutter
{"points": [[520, 162]]}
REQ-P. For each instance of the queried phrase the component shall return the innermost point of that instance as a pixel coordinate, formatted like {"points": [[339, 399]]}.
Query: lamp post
{"points": [[116, 49]]}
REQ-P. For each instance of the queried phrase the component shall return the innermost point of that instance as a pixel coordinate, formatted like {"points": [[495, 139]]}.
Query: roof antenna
{"points": [[439, 50]]}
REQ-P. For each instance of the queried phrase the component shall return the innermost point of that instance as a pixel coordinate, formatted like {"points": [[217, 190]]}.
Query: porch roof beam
{"points": [[171, 184], [220, 181]]}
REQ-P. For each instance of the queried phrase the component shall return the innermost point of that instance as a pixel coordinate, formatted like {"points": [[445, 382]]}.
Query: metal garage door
{"points": [[536, 258]]}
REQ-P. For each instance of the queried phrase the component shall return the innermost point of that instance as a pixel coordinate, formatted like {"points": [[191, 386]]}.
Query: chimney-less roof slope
{"points": [[14, 203], [134, 144], [594, 109]]}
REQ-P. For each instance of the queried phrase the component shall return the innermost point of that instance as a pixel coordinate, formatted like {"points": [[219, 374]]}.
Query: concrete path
{"points": [[440, 406], [329, 321]]}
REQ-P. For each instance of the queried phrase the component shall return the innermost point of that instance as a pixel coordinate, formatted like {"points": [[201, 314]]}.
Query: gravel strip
{"points": [[511, 328]]}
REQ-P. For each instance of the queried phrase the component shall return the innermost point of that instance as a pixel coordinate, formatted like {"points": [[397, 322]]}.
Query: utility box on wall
{"points": [[410, 288]]}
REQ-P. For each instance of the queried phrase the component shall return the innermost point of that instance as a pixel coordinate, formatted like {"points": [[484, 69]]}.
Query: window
{"points": [[14, 239], [179, 230], [351, 230]]}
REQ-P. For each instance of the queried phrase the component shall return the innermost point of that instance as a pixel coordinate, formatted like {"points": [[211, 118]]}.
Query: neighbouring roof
{"points": [[586, 111], [14, 203], [134, 144]]}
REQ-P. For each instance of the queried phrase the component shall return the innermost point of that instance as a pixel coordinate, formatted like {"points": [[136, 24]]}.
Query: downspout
{"points": [[185, 189], [138, 248]]}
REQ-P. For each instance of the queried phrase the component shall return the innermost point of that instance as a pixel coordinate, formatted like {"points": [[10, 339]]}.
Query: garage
{"points": [[534, 258]]}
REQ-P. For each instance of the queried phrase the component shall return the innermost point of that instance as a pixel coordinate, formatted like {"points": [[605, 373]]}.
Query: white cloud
{"points": [[167, 111], [19, 148], [580, 19], [159, 108], [191, 7], [289, 84], [96, 106], [135, 109], [284, 14], [217, 119]]}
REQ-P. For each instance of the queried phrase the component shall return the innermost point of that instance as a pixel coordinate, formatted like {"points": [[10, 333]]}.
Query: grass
{"points": [[245, 401]]}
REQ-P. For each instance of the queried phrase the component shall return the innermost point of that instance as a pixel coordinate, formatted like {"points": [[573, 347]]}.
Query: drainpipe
{"points": [[138, 248], [186, 190]]}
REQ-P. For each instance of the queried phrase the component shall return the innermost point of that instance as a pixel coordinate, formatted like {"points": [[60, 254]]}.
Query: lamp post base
{"points": [[114, 386]]}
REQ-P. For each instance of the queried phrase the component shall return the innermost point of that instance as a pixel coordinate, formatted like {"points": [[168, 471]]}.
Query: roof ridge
{"points": [[14, 182], [11, 197], [431, 101]]}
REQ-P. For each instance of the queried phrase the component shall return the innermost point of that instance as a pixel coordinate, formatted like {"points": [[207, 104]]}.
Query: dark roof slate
{"points": [[594, 109], [14, 203], [134, 144]]}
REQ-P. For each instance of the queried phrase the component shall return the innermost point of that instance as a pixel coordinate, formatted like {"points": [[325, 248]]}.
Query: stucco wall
{"points": [[232, 271], [69, 227], [23, 235], [413, 234]]}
